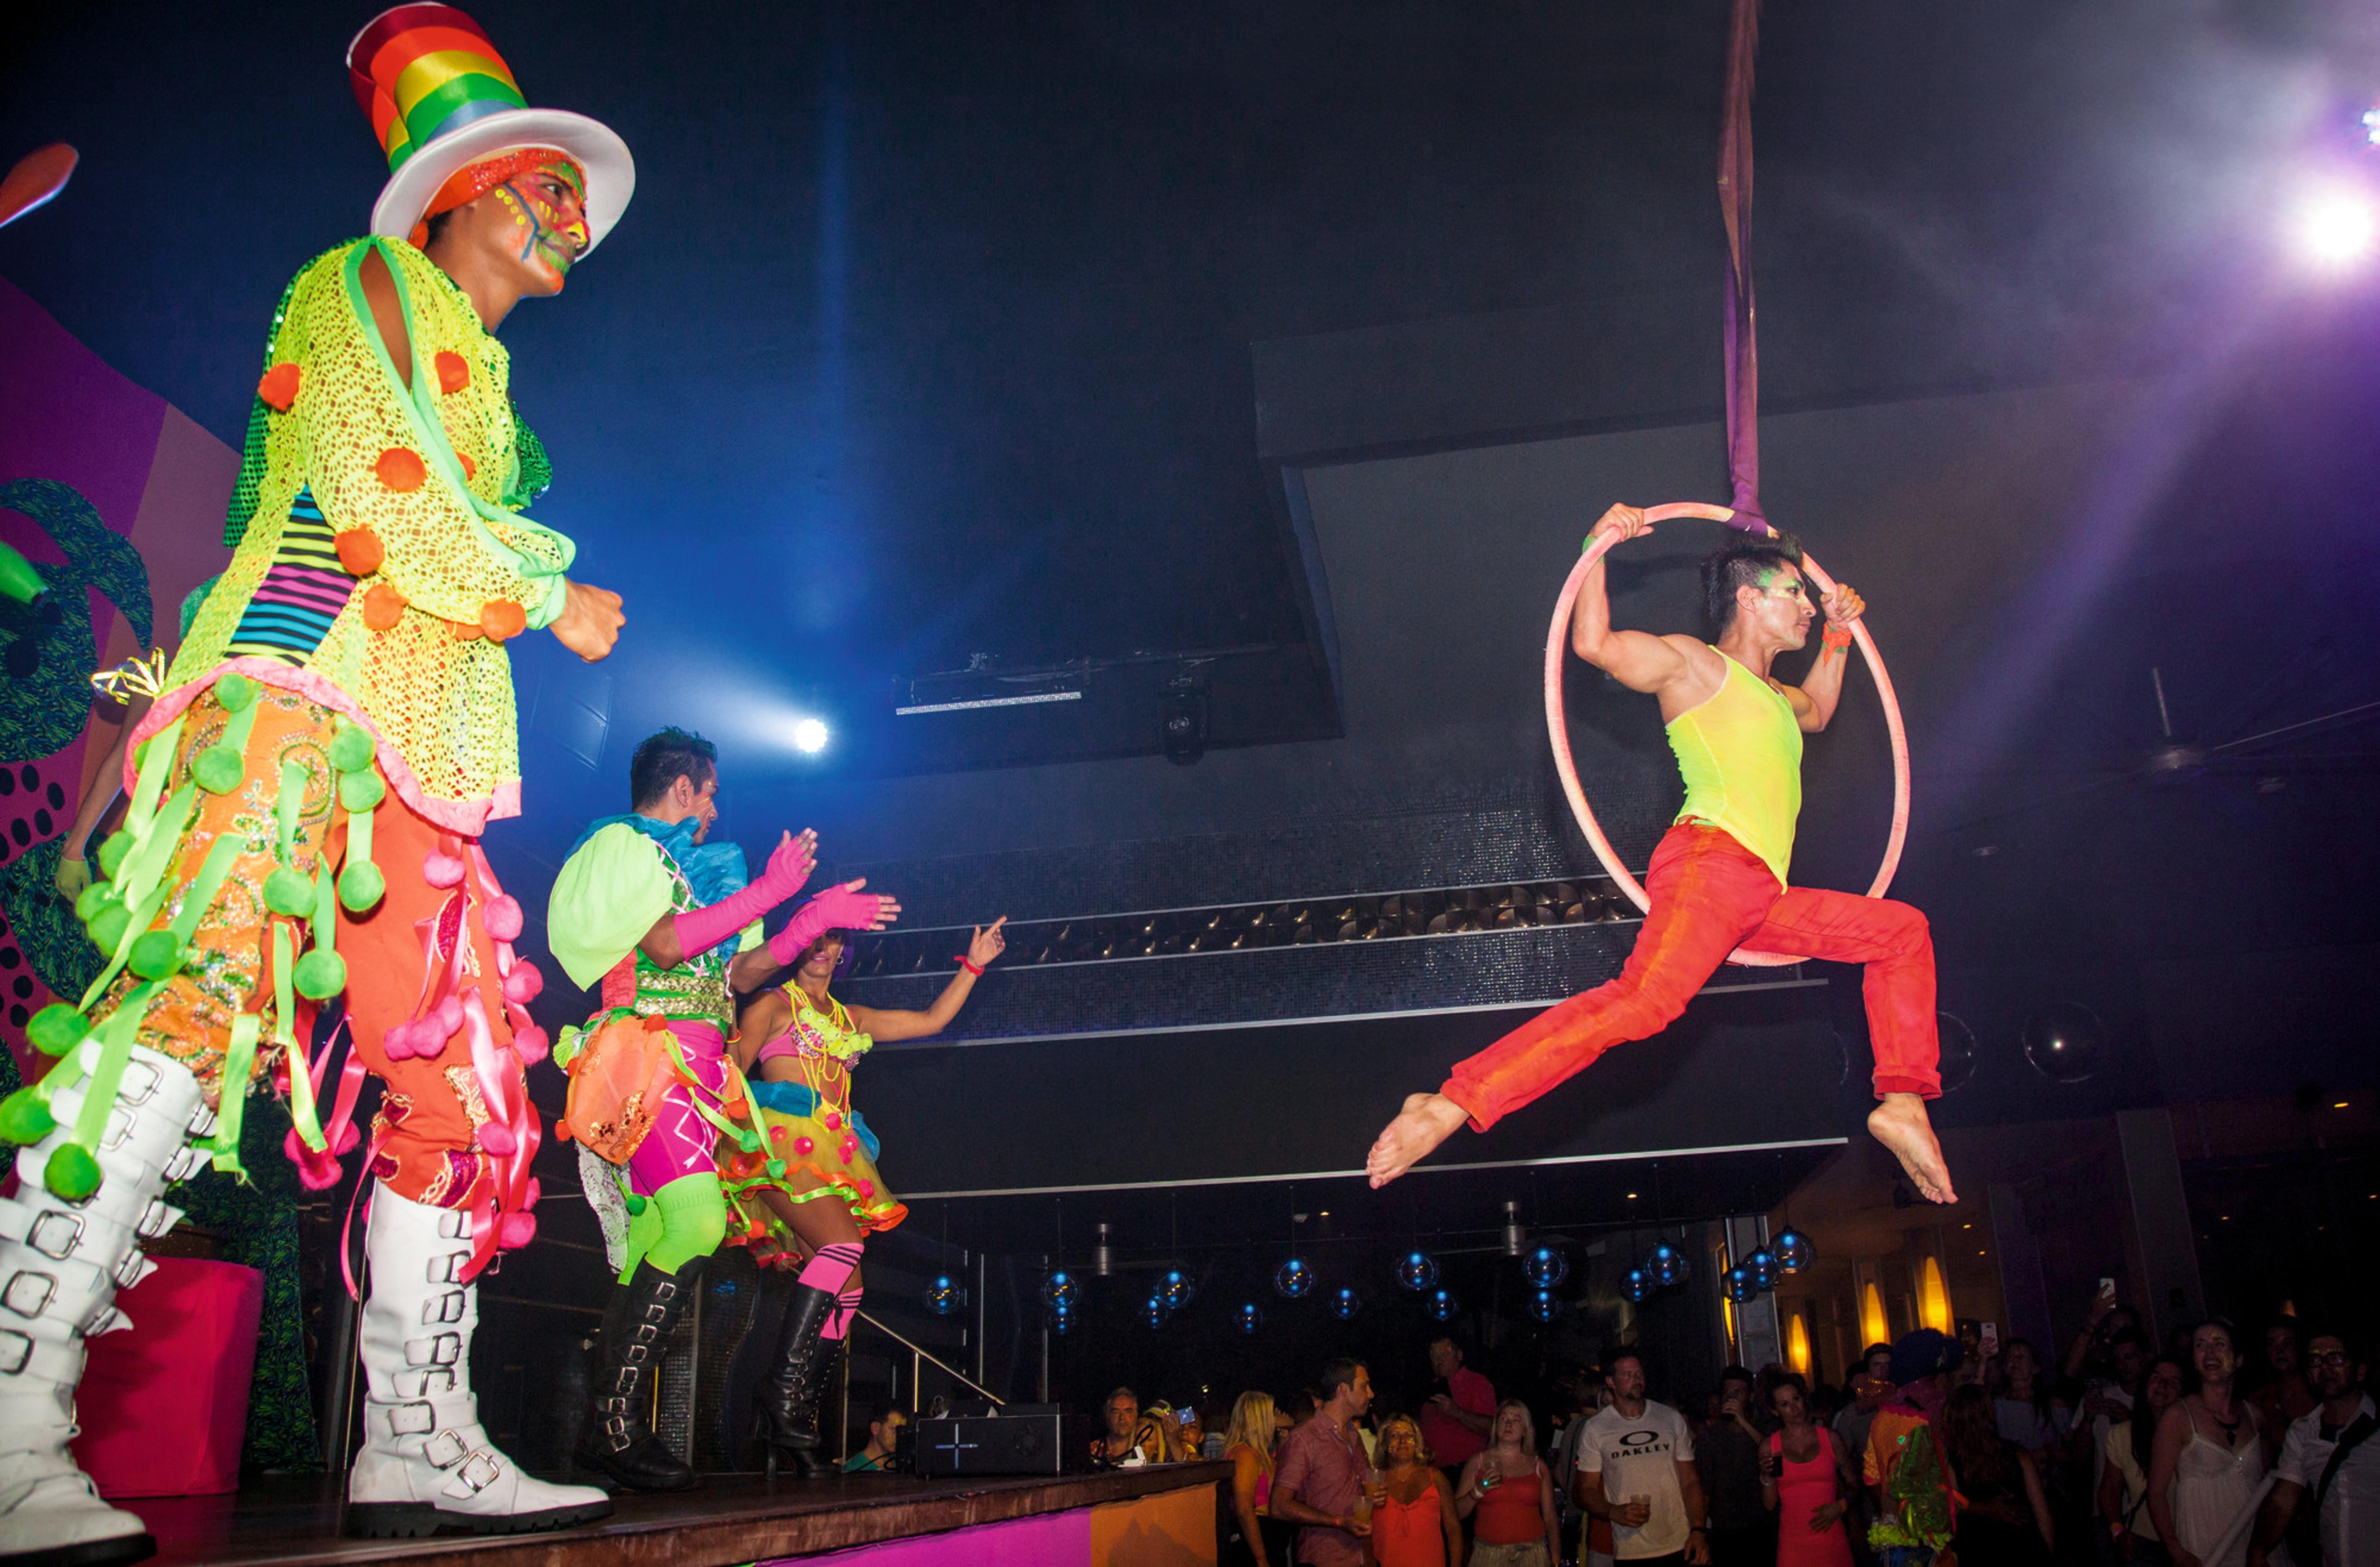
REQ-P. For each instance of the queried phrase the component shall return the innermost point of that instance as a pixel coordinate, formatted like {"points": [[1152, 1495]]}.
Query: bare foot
{"points": [[1426, 1120], [1899, 1123]]}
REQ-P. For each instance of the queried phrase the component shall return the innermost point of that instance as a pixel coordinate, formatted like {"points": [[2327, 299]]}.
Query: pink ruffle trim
{"points": [[469, 817]]}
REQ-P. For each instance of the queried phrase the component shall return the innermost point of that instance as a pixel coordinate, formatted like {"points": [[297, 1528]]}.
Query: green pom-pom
{"points": [[320, 975], [361, 790], [107, 927], [56, 1028], [234, 692], [112, 852], [360, 886], [351, 748], [219, 769], [24, 1119], [91, 899], [289, 892], [72, 1174], [776, 1168], [636, 1204], [155, 954]]}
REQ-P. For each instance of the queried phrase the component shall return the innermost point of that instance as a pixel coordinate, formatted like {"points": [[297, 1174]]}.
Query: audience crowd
{"points": [[2225, 1451]]}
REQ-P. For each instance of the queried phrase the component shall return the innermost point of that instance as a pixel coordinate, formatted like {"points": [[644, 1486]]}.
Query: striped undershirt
{"points": [[303, 591]]}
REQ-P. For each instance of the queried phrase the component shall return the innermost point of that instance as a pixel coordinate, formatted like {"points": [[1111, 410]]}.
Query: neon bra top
{"points": [[1740, 753]]}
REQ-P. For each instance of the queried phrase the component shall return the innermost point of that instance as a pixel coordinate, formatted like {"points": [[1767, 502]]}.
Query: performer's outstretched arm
{"points": [[1822, 688], [882, 1025], [1638, 660]]}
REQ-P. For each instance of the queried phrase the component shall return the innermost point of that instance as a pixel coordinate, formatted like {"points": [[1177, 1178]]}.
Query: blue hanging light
{"points": [[1249, 1319], [1545, 1266], [1418, 1271], [1061, 1322], [1294, 1280], [1795, 1250], [1346, 1303], [1176, 1290], [1059, 1291], [1637, 1286], [941, 1295], [1441, 1305], [1741, 1287], [1763, 1267], [1152, 1311], [1544, 1305], [1666, 1267]]}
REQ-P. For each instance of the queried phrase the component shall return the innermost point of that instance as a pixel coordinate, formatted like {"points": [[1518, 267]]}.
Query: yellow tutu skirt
{"points": [[810, 1151]]}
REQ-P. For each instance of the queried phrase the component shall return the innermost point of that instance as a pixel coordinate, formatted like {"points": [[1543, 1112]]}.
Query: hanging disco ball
{"points": [[1666, 1267], [1417, 1270], [1795, 1250], [1545, 1266], [1152, 1311], [941, 1296], [1061, 1322], [1059, 1291], [1637, 1286], [1544, 1305], [1441, 1305], [1346, 1303], [1761, 1265], [1176, 1289], [1294, 1280], [1740, 1286], [2065, 1042], [1249, 1319]]}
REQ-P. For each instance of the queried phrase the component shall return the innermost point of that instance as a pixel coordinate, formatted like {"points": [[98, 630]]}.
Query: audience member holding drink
{"points": [[1413, 1518], [1508, 1492]]}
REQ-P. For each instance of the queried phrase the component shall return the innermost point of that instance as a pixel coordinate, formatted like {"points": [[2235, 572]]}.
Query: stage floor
{"points": [[731, 1520]]}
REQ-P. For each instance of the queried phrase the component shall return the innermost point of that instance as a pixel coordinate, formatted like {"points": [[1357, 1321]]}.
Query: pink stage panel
{"points": [[164, 1405]]}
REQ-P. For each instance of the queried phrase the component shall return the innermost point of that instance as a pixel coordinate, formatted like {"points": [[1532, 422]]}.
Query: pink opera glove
{"points": [[837, 908], [701, 930]]}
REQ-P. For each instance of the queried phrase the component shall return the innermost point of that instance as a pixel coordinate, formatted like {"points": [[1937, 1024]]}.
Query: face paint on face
{"points": [[549, 212]]}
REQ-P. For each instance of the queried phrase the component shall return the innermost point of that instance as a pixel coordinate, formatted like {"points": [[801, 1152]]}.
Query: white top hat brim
{"points": [[611, 173]]}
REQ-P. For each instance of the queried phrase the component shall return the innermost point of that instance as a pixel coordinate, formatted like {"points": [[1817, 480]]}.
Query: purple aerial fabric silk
{"points": [[1735, 211]]}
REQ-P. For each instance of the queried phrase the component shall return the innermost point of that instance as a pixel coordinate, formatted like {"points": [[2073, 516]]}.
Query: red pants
{"points": [[1711, 896]]}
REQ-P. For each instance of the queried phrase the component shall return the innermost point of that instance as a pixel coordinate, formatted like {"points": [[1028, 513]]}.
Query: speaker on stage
{"points": [[1031, 1438]]}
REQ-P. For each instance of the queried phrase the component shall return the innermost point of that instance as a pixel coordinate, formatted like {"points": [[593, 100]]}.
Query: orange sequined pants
{"points": [[1711, 896], [430, 1139]]}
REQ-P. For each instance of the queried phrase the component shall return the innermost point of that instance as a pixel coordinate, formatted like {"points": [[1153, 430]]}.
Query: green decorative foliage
{"points": [[351, 748], [72, 1174], [24, 1119], [111, 851], [56, 1028], [155, 954], [289, 892], [360, 886], [91, 899], [320, 975], [361, 790], [234, 692], [107, 928], [218, 769], [638, 1204]]}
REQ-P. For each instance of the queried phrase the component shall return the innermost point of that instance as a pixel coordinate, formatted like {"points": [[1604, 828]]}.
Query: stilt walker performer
{"points": [[308, 795], [1718, 879], [664, 923]]}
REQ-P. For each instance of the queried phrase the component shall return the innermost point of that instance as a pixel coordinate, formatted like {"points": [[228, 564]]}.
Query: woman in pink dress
{"points": [[1803, 1480]]}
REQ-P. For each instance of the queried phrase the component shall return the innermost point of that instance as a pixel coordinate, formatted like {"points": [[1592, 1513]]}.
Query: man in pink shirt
{"points": [[1323, 1472], [1454, 1422]]}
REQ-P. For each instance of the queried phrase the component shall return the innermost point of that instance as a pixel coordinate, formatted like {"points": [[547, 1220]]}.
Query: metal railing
{"points": [[920, 1357]]}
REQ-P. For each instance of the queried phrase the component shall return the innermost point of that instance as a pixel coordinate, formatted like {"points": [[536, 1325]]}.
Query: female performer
{"points": [[814, 1183]]}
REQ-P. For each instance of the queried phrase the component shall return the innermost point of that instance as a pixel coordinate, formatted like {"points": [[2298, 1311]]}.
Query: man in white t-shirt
{"points": [[1637, 1469], [2350, 1504]]}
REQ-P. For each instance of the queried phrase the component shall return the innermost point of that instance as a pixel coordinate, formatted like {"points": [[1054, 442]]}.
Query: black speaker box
{"points": [[1025, 1439]]}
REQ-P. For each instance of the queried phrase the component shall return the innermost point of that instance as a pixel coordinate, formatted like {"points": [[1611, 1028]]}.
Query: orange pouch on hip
{"points": [[617, 1078]]}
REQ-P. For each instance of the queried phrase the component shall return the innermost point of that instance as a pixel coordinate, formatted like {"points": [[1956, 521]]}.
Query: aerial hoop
{"points": [[1557, 723]]}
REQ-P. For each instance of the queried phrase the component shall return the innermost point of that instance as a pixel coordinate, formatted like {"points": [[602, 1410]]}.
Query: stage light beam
{"points": [[810, 735], [2337, 228]]}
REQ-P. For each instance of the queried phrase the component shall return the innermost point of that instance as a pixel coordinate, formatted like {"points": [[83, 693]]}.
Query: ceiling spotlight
{"points": [[809, 735], [2336, 228]]}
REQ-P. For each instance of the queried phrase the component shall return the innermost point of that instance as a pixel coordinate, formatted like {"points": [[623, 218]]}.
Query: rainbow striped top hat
{"points": [[441, 99]]}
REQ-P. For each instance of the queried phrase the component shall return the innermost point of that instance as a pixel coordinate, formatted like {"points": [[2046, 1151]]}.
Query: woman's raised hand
{"points": [[988, 943]]}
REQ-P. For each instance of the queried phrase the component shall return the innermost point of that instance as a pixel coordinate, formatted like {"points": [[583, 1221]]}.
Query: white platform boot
{"points": [[426, 1464], [61, 1264]]}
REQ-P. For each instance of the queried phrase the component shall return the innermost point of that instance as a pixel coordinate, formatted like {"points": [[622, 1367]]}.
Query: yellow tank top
{"points": [[1740, 753]]}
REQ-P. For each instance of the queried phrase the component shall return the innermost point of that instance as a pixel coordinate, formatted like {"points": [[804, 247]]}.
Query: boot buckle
{"points": [[480, 1471], [29, 1292], [411, 1420], [447, 1268], [16, 1352], [55, 1235], [427, 1382], [445, 1306], [444, 1451], [139, 1081], [446, 1349]]}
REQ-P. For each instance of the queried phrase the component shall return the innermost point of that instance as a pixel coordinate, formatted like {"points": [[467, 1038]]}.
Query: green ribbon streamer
{"points": [[239, 1060], [285, 1003], [115, 1050]]}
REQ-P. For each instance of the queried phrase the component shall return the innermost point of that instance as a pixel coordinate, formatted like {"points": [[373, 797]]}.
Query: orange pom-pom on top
{"points": [[463, 630], [279, 387], [360, 550], [502, 620], [383, 606], [401, 469], [453, 370]]}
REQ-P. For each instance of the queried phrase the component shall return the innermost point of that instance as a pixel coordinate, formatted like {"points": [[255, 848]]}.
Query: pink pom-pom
{"points": [[528, 1198], [502, 917], [441, 870], [834, 1121], [517, 1231], [316, 1171], [776, 1133], [850, 1147], [802, 1146], [524, 983], [400, 1042], [529, 1045], [447, 1019], [347, 1139], [497, 1139], [867, 1190]]}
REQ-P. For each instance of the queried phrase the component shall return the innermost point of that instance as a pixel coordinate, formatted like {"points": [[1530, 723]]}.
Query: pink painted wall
{"points": [[1055, 1539]]}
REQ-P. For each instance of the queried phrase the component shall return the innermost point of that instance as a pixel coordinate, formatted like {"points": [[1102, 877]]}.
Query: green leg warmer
{"points": [[685, 1219]]}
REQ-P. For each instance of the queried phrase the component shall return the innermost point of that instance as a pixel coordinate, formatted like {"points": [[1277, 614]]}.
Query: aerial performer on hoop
{"points": [[1718, 889], [1719, 877]]}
